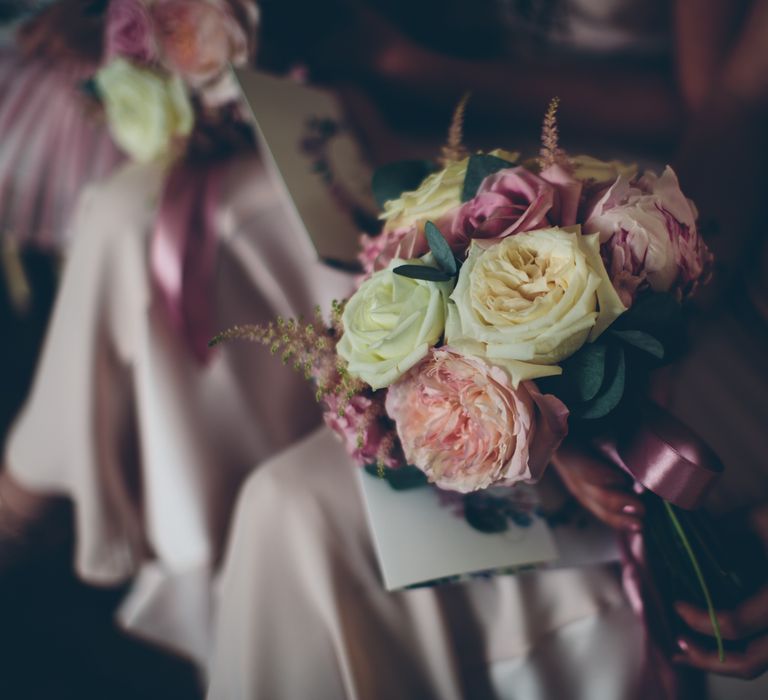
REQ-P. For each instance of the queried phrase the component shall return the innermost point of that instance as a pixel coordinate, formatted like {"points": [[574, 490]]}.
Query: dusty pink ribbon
{"points": [[183, 252], [665, 456]]}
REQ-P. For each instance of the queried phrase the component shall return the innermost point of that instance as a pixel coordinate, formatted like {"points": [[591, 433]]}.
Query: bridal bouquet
{"points": [[492, 277], [505, 301], [165, 70]]}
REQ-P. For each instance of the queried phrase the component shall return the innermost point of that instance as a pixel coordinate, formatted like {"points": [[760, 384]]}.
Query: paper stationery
{"points": [[315, 159]]}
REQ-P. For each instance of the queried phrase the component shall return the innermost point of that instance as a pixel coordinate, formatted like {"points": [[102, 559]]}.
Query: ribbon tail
{"points": [[183, 253], [666, 457]]}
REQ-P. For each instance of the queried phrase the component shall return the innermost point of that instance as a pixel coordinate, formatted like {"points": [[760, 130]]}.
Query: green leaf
{"points": [[400, 479], [642, 341], [585, 371], [480, 166], [612, 389], [440, 249], [422, 272], [652, 312], [700, 578], [485, 514], [390, 181]]}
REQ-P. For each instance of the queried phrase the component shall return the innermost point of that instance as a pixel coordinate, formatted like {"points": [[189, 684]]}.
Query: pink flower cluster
{"points": [[510, 201], [362, 424], [192, 38]]}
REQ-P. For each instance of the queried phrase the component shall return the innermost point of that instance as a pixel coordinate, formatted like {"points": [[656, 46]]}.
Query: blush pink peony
{"points": [[128, 32], [460, 421], [648, 237], [197, 38]]}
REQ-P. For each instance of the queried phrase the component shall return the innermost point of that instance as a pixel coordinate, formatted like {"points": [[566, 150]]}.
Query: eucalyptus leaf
{"points": [[480, 166], [391, 180], [422, 272], [642, 341], [612, 389], [485, 515], [585, 371], [440, 249], [400, 479], [652, 312]]}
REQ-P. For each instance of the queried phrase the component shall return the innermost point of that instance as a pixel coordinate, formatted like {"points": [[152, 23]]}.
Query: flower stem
{"points": [[700, 577]]}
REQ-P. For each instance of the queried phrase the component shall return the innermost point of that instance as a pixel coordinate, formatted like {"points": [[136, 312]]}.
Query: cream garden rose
{"points": [[146, 111], [600, 171], [437, 195], [390, 323], [531, 300]]}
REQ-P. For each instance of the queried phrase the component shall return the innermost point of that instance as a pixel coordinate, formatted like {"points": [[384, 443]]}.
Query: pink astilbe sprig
{"points": [[350, 407], [550, 153], [454, 149]]}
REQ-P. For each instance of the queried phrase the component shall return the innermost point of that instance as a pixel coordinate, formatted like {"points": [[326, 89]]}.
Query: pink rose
{"points": [[197, 37], [460, 421], [361, 429], [648, 237], [568, 192], [507, 202], [128, 32]]}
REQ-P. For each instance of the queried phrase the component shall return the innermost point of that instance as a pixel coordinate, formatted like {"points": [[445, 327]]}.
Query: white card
{"points": [[418, 539], [315, 158]]}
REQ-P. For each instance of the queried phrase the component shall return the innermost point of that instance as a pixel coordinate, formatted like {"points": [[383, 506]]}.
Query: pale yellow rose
{"points": [[435, 196], [390, 323], [531, 300], [146, 112], [599, 171]]}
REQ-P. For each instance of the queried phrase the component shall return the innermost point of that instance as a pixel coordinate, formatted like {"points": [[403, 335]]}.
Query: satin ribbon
{"points": [[665, 456], [183, 252]]}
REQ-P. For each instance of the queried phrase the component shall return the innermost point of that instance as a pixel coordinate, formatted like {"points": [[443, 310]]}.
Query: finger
{"points": [[744, 621], [611, 517], [749, 664], [574, 460], [619, 502]]}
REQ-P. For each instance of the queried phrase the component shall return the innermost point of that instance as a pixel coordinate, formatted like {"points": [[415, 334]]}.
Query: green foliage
{"points": [[400, 479], [391, 180], [441, 250], [642, 341], [596, 378], [422, 272], [612, 388], [479, 167]]}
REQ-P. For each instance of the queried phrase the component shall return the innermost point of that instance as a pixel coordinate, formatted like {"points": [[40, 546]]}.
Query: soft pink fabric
{"points": [[51, 148], [648, 237], [128, 32], [183, 252], [461, 422]]}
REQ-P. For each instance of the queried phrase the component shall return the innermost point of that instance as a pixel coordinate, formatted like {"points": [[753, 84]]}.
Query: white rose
{"points": [[531, 300], [600, 171], [435, 196], [390, 323], [146, 111]]}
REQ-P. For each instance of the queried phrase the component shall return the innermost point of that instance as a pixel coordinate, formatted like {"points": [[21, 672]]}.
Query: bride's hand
{"points": [[748, 622], [599, 486]]}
